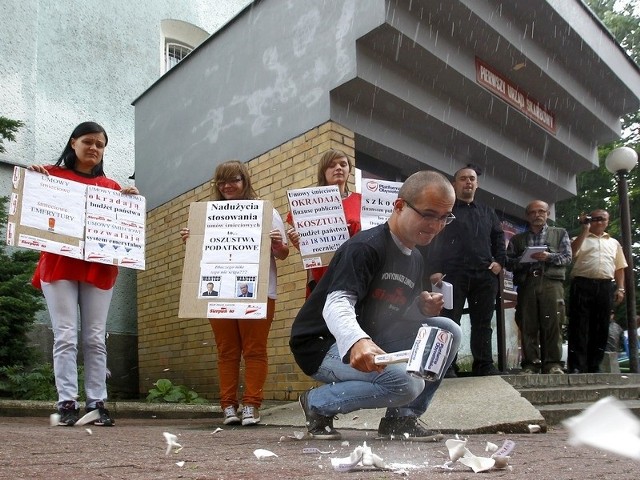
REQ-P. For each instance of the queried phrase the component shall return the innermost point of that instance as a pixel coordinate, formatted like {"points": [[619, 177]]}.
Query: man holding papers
{"points": [[538, 258], [369, 302]]}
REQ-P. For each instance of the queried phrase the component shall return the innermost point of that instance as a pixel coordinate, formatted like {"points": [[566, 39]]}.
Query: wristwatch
{"points": [[621, 290]]}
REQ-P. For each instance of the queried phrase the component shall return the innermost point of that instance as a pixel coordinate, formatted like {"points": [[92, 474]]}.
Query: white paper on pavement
{"points": [[361, 457], [606, 425]]}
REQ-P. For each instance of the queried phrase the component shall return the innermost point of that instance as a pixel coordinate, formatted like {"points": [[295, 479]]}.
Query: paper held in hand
{"points": [[527, 255], [446, 289], [427, 358]]}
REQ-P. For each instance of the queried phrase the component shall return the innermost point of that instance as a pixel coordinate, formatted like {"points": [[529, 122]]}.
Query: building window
{"points": [[177, 40], [174, 53]]}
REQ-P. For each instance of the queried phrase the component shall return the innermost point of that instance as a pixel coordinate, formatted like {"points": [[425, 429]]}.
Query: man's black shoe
{"points": [[487, 371], [406, 428], [319, 426], [68, 414], [105, 419]]}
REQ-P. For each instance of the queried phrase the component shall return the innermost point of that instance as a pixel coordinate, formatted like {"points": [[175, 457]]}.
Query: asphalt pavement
{"points": [[137, 449], [479, 410]]}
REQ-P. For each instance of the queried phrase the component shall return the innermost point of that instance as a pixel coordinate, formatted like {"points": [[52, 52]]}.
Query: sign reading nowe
{"points": [[377, 201], [318, 217], [57, 215], [226, 265]]}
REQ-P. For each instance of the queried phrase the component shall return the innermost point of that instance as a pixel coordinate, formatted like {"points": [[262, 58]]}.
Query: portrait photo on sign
{"points": [[245, 289], [210, 290]]}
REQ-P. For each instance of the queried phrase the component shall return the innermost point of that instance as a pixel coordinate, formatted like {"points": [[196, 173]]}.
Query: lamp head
{"points": [[621, 159]]}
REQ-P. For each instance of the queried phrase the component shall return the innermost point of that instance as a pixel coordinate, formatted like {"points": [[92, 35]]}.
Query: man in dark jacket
{"points": [[471, 253]]}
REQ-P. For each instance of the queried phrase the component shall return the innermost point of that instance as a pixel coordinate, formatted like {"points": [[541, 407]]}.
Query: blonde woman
{"points": [[241, 338]]}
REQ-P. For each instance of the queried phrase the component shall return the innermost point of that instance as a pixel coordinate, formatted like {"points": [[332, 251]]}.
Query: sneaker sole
{"points": [[231, 421], [334, 436], [428, 439], [101, 424], [250, 421]]}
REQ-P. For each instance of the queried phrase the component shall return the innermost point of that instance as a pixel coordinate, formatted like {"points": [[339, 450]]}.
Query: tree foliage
{"points": [[8, 129], [19, 301], [598, 188]]}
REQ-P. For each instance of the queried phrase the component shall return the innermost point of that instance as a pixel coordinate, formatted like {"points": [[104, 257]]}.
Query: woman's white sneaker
{"points": [[231, 416], [250, 415]]}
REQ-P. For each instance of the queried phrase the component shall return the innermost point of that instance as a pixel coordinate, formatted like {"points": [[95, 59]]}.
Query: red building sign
{"points": [[499, 85]]}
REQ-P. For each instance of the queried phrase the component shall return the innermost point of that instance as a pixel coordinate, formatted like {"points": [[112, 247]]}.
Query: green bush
{"points": [[19, 301], [37, 383], [167, 392]]}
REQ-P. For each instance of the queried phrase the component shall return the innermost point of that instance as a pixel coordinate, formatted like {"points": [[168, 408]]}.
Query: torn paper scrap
{"points": [[171, 442], [307, 450], [90, 417], [362, 456], [506, 448], [54, 419], [457, 449], [607, 425], [261, 453], [501, 462], [491, 447], [478, 464]]}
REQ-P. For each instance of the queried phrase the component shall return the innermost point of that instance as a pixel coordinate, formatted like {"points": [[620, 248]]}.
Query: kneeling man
{"points": [[370, 301]]}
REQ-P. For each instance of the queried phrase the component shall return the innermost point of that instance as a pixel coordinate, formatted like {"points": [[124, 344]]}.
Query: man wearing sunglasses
{"points": [[371, 301], [597, 282], [471, 253]]}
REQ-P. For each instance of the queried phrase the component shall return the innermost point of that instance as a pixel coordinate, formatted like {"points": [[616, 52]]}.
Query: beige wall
{"points": [[183, 350]]}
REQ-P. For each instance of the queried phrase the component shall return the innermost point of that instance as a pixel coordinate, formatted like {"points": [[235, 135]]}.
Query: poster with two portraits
{"points": [[228, 250]]}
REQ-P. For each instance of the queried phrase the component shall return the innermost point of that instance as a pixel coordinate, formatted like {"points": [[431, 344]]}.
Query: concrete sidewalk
{"points": [[461, 405]]}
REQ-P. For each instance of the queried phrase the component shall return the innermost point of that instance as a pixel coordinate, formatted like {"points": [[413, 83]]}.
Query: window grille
{"points": [[174, 53]]}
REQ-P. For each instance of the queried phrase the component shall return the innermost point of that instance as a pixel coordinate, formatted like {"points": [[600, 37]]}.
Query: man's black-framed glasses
{"points": [[432, 218]]}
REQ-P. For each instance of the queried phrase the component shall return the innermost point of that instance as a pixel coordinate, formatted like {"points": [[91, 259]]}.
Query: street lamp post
{"points": [[621, 161]]}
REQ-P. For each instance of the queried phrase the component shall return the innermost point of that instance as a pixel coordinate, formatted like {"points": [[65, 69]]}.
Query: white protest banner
{"points": [[377, 201], [318, 217], [233, 231], [57, 215], [115, 230], [226, 272], [50, 204]]}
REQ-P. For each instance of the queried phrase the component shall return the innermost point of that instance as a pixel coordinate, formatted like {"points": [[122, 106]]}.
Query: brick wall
{"points": [[183, 350]]}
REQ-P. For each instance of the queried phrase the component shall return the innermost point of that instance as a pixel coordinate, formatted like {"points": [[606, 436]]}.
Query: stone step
{"points": [[583, 393], [536, 381], [558, 397], [556, 413]]}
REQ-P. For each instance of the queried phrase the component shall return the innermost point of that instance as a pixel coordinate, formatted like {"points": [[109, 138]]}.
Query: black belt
{"points": [[592, 280]]}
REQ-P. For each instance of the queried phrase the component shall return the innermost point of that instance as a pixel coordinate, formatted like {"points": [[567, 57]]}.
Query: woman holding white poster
{"points": [[333, 169], [69, 283], [243, 338]]}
